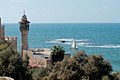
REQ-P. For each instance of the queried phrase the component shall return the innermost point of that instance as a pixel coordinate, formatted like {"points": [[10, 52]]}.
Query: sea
{"points": [[93, 38]]}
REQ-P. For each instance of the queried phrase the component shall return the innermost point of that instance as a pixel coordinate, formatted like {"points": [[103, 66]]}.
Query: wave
{"points": [[69, 41], [63, 39], [59, 42], [82, 42], [105, 46]]}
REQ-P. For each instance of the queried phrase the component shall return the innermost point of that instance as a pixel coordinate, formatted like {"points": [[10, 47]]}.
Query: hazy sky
{"points": [[60, 11]]}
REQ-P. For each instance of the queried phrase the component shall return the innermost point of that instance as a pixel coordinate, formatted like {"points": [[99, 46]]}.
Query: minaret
{"points": [[24, 28]]}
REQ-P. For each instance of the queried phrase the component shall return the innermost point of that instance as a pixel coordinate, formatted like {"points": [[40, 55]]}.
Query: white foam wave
{"points": [[63, 39], [105, 46], [54, 41], [68, 40], [83, 43], [82, 40]]}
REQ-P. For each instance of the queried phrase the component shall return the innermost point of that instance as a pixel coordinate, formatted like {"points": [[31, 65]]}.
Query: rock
{"points": [[6, 78]]}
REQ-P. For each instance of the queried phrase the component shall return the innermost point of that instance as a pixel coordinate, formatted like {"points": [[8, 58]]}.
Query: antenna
{"points": [[24, 12]]}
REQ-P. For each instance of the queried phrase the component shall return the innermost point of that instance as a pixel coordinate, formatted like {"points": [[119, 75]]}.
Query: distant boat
{"points": [[74, 45], [63, 41]]}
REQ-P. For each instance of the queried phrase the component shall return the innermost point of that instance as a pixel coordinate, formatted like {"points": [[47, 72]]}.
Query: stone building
{"points": [[37, 57]]}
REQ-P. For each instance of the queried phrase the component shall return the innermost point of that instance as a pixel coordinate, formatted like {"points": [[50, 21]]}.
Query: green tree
{"points": [[11, 64], [57, 53], [40, 73], [68, 69], [95, 67], [116, 75], [105, 78], [82, 67]]}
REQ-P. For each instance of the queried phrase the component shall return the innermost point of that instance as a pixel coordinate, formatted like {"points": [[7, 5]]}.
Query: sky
{"points": [[61, 11]]}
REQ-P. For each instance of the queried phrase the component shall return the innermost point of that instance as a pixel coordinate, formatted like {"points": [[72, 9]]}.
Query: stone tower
{"points": [[2, 32], [24, 28]]}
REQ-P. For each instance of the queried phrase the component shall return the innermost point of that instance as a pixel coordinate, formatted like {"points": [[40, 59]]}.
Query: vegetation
{"points": [[57, 53], [116, 75], [11, 64], [79, 67], [39, 73]]}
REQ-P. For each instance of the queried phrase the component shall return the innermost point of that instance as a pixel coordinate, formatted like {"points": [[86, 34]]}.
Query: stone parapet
{"points": [[12, 40]]}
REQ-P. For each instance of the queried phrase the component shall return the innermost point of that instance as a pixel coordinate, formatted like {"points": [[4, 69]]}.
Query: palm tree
{"points": [[57, 53]]}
